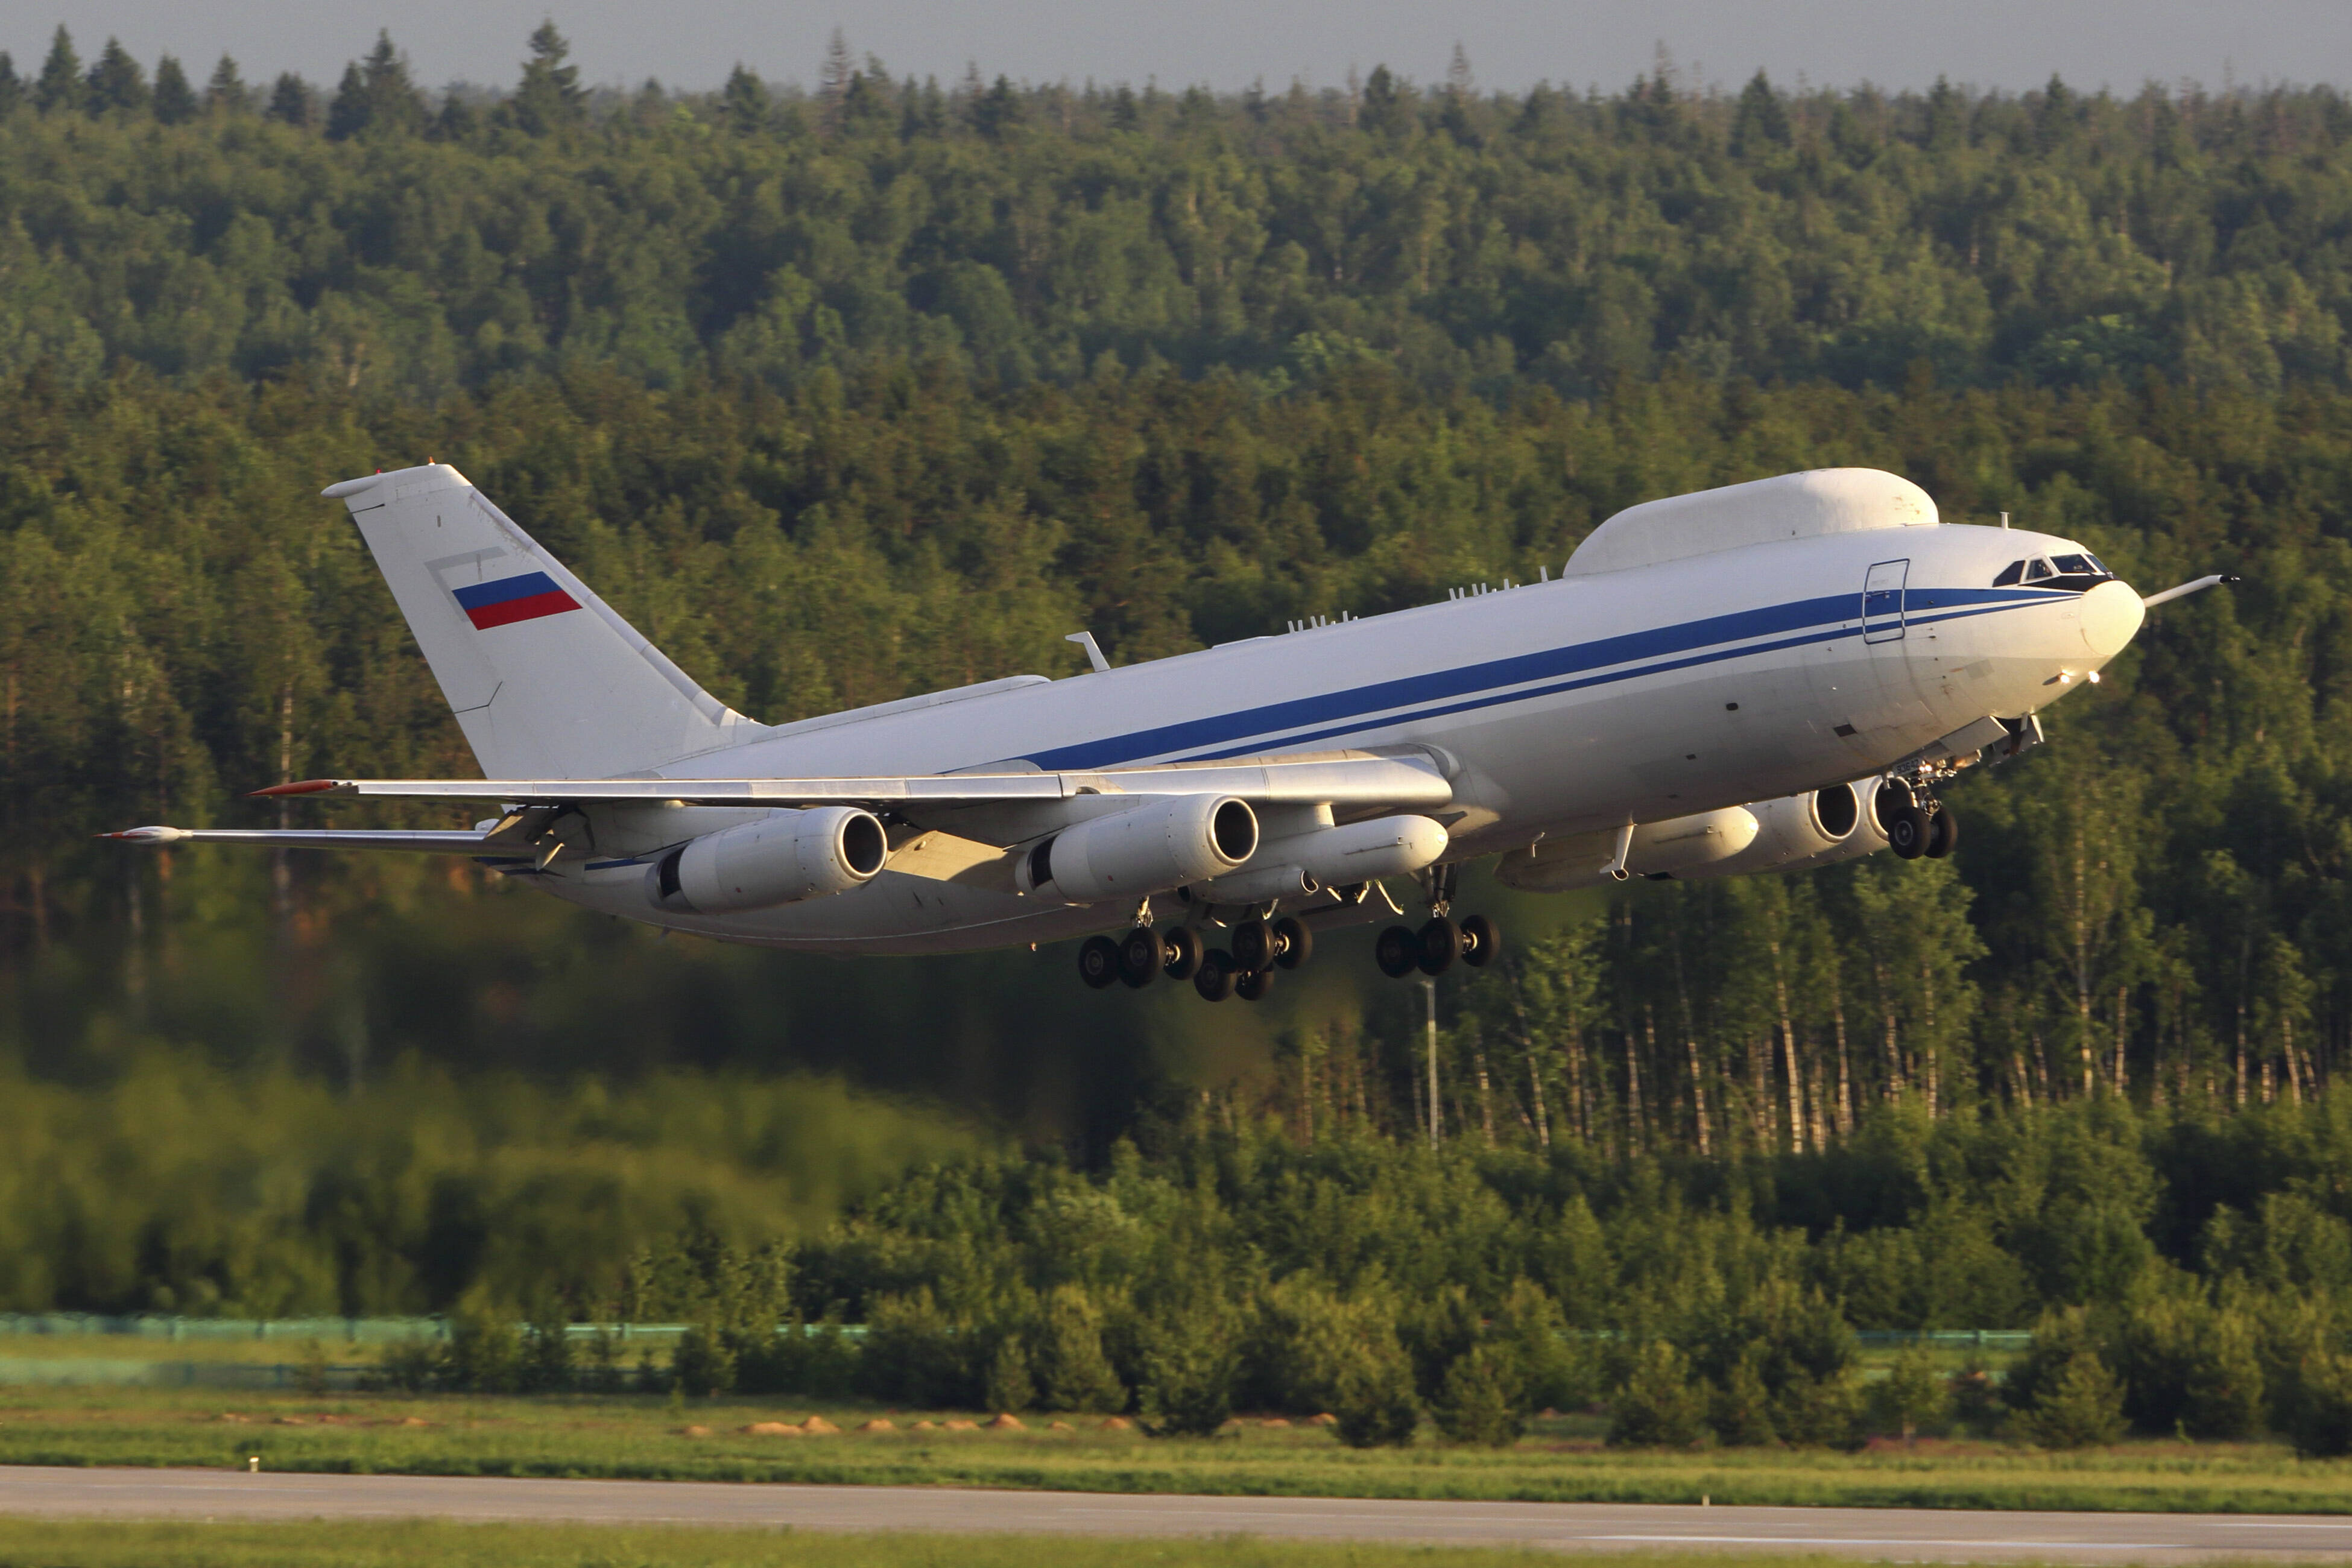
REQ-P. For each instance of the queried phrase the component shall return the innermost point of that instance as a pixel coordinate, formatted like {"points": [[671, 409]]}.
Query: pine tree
{"points": [[292, 102], [12, 87], [116, 83], [175, 101], [549, 98], [225, 90], [60, 88], [743, 103]]}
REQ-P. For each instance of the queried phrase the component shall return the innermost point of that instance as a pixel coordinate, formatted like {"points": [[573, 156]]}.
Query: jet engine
{"points": [[1786, 835], [1298, 864], [1797, 831], [1145, 850], [784, 859]]}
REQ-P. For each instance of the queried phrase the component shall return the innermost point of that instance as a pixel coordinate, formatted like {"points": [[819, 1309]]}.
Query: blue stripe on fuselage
{"points": [[1441, 692]]}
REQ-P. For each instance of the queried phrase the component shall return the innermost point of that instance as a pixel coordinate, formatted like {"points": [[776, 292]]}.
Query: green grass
{"points": [[1561, 1461], [418, 1544]]}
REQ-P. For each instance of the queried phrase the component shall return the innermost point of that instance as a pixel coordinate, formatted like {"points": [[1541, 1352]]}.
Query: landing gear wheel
{"points": [[1215, 980], [1098, 962], [1140, 956], [1441, 944], [1397, 952], [1297, 943], [1906, 831], [1254, 945], [1480, 941], [1184, 947], [1943, 833], [1254, 984]]}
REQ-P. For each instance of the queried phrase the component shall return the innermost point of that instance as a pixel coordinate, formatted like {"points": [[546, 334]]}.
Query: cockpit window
{"points": [[2037, 569], [2074, 565], [2009, 573]]}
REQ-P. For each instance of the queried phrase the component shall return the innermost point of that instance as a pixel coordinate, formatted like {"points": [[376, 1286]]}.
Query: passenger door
{"points": [[1882, 601]]}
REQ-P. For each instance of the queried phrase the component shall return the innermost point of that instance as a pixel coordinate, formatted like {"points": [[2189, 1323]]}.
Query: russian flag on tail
{"points": [[512, 599]]}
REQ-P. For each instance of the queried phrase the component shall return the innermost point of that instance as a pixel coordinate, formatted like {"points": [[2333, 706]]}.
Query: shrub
{"points": [[1189, 1363], [1072, 1371], [544, 1365], [1008, 1386], [1819, 1412], [1480, 1400], [1912, 1396], [914, 1354], [1660, 1405], [1552, 1370], [1376, 1403], [1741, 1410], [2318, 1407], [484, 1354], [703, 1362], [410, 1365], [2081, 1408]]}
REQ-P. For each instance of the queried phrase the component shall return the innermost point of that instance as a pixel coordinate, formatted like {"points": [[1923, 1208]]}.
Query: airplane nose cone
{"points": [[2112, 614]]}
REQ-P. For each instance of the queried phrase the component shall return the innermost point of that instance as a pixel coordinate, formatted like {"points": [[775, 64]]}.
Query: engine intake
{"points": [[789, 856], [1146, 849]]}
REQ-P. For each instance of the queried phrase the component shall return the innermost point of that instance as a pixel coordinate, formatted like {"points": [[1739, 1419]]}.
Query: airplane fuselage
{"points": [[1569, 706]]}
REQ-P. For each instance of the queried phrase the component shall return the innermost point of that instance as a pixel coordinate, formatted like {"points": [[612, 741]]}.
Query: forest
{"points": [[845, 393]]}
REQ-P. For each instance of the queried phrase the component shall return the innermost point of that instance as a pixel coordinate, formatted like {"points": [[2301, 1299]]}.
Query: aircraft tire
{"points": [[1215, 980], [1441, 944], [1140, 957], [1907, 832], [1943, 833], [1098, 962], [1184, 947], [1398, 951], [1295, 941], [1254, 945], [1253, 986], [1480, 941]]}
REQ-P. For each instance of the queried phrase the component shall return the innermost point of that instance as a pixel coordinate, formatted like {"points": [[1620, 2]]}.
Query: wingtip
{"points": [[147, 834], [300, 787]]}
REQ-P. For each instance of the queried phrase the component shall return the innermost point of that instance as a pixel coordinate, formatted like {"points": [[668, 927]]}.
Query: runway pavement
{"points": [[1908, 1534]]}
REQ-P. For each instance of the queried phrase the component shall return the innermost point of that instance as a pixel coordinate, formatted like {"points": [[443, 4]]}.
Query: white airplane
{"points": [[1764, 677]]}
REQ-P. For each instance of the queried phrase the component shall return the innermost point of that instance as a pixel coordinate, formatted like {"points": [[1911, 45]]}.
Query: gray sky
{"points": [[2009, 44]]}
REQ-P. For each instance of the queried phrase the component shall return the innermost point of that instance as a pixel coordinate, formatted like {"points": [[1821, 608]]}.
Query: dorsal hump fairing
{"points": [[1791, 506], [546, 680]]}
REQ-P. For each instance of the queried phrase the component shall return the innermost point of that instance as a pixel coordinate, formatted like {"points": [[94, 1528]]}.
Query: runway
{"points": [[1908, 1534]]}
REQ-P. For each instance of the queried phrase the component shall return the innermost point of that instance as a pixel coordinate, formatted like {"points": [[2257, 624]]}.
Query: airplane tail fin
{"points": [[546, 680]]}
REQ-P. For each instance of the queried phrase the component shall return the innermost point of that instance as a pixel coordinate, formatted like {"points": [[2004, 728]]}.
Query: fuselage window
{"points": [[2009, 573], [2037, 569]]}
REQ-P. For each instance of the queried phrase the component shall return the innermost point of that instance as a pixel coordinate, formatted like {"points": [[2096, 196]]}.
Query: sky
{"points": [[1228, 44]]}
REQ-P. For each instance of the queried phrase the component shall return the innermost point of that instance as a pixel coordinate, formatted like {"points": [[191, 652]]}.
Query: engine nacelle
{"points": [[1798, 831], [1147, 849], [788, 856], [1302, 863], [1678, 847]]}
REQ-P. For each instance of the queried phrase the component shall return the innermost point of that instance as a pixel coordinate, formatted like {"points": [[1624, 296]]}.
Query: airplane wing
{"points": [[1346, 780]]}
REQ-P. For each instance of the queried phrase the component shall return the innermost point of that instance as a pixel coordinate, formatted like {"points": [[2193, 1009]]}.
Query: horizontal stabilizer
{"points": [[414, 843]]}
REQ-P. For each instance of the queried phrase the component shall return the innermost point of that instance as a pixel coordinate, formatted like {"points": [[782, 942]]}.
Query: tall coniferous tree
{"points": [[224, 89], [175, 101], [549, 98], [116, 83], [292, 101], [59, 88]]}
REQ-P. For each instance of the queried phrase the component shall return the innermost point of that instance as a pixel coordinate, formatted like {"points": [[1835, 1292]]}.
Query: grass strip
{"points": [[645, 1438]]}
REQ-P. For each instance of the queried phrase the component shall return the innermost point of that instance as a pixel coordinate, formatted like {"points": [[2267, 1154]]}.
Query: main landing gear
{"points": [[1915, 823], [1439, 944], [1259, 948]]}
